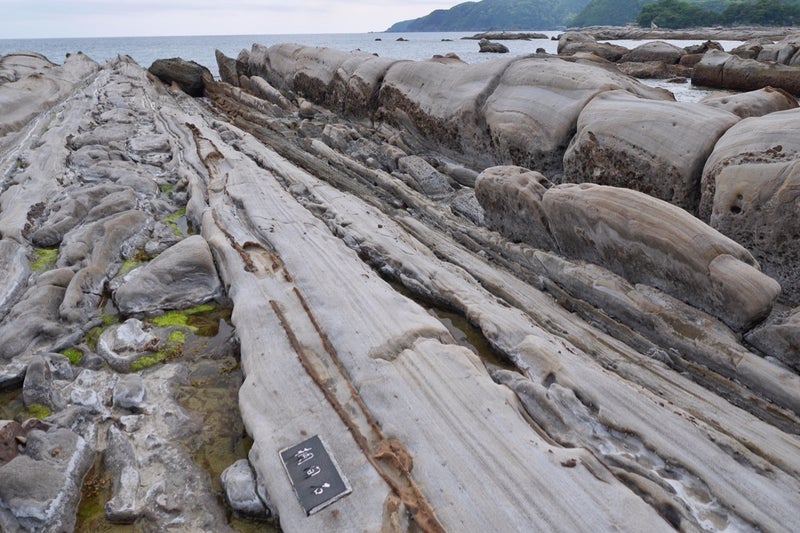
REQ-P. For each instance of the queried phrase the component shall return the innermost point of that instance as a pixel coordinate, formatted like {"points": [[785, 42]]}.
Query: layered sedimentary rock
{"points": [[616, 407], [749, 184], [521, 111], [753, 103], [727, 71], [643, 239], [655, 147]]}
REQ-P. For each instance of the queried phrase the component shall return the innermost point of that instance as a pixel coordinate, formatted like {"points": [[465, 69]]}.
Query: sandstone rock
{"points": [[182, 276], [129, 392], [702, 48], [229, 68], [239, 483], [123, 344], [34, 322], [640, 238], [512, 201], [654, 70], [38, 386], [532, 113], [487, 46], [748, 192], [9, 431], [655, 147], [654, 51], [41, 488], [570, 43], [753, 103], [719, 69], [74, 205], [425, 178], [652, 242], [779, 338], [191, 77], [124, 506], [38, 87], [14, 271]]}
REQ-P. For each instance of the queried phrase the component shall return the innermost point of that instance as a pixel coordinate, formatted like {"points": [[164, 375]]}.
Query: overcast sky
{"points": [[111, 18]]}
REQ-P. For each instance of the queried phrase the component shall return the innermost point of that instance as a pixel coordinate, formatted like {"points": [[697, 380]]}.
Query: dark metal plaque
{"points": [[314, 474]]}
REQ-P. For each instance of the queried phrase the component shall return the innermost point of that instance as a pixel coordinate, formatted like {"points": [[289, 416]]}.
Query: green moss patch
{"points": [[181, 318], [177, 336], [44, 259], [73, 354], [177, 221], [38, 410], [147, 361]]}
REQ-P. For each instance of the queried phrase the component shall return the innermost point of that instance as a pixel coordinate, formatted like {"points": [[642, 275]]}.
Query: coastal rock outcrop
{"points": [[726, 71], [748, 193], [438, 360], [571, 43], [654, 51], [487, 46], [655, 147], [191, 77], [753, 103], [638, 237], [521, 111]]}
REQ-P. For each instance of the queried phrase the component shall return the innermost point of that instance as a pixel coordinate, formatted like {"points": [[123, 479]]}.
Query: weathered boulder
{"points": [[129, 392], [783, 52], [779, 337], [34, 321], [230, 69], [532, 113], [487, 46], [38, 386], [182, 276], [726, 71], [241, 490], [504, 190], [570, 43], [654, 51], [654, 70], [649, 241], [124, 506], [37, 84], [749, 192], [753, 103], [345, 81], [14, 272], [190, 76], [655, 147], [423, 177], [41, 488], [121, 345], [643, 239]]}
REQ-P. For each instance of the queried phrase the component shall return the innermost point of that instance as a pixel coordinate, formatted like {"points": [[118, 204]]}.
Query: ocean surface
{"points": [[417, 46]]}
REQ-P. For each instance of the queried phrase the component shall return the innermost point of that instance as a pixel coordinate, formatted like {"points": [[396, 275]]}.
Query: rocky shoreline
{"points": [[631, 261]]}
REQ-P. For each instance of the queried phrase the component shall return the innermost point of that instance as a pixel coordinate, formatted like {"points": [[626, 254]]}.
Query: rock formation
{"points": [[333, 201]]}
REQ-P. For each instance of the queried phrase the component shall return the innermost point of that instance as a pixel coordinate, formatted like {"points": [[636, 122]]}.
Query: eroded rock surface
{"points": [[655, 147], [619, 407], [749, 184]]}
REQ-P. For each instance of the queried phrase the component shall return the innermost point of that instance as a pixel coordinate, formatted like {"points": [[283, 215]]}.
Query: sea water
{"points": [[414, 46]]}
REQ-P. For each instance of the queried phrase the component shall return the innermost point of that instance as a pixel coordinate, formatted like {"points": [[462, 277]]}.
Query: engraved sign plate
{"points": [[314, 474]]}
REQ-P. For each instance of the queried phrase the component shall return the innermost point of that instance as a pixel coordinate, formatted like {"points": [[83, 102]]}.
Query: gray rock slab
{"points": [[180, 277]]}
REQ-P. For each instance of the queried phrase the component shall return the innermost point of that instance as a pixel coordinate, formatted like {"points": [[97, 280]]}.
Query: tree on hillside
{"points": [[608, 13], [764, 12], [675, 14]]}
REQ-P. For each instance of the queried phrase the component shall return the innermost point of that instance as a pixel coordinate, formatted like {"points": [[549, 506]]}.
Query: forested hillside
{"points": [[497, 15], [553, 14]]}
